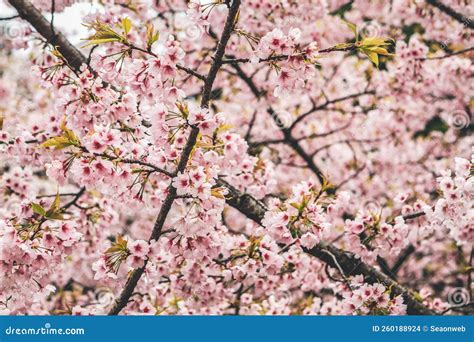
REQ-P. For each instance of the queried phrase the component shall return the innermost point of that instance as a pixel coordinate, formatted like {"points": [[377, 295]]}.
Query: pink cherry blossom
{"points": [[238, 157]]}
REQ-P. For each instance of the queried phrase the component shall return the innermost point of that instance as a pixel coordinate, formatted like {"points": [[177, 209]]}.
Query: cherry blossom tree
{"points": [[243, 157]]}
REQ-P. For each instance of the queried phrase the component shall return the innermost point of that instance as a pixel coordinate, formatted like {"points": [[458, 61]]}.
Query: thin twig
{"points": [[10, 18], [460, 52]]}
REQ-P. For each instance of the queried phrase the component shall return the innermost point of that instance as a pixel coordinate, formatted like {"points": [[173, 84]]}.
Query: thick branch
{"points": [[354, 266], [220, 51], [132, 281], [452, 13], [31, 14], [248, 205], [71, 54], [245, 203], [402, 258], [75, 60], [348, 262]]}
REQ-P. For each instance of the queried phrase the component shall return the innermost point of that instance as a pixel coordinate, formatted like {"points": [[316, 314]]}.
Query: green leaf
{"points": [[68, 138], [374, 41], [104, 34], [54, 211], [435, 124], [418, 297], [68, 133], [56, 142], [54, 216], [379, 50], [353, 28], [127, 25], [38, 209], [151, 35], [216, 193], [295, 205], [121, 241], [56, 204], [101, 41], [373, 47], [374, 58], [71, 136]]}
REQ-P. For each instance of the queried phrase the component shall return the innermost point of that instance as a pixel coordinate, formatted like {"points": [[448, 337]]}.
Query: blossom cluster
{"points": [[371, 300], [157, 154], [454, 211]]}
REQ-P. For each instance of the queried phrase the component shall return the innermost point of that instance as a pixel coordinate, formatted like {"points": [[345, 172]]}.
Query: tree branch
{"points": [[452, 13], [289, 139], [275, 58], [327, 103], [132, 281], [455, 53], [10, 18], [71, 54], [245, 203], [347, 262], [31, 14], [354, 266], [75, 60], [402, 258]]}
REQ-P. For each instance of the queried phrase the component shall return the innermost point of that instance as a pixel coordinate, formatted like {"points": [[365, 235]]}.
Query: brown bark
{"points": [[30, 13], [245, 203]]}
